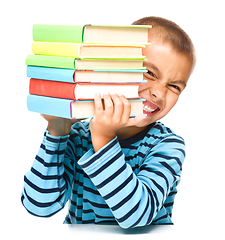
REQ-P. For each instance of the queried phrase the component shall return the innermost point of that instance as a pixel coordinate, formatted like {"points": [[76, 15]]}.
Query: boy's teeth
{"points": [[148, 109]]}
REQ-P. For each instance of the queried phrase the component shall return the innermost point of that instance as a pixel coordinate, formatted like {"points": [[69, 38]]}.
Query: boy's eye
{"points": [[150, 73], [175, 87]]}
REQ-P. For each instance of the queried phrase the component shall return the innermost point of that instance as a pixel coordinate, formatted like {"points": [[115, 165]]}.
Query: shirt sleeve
{"points": [[47, 186], [133, 199]]}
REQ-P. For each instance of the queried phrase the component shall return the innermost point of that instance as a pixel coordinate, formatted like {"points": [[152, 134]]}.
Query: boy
{"points": [[114, 168]]}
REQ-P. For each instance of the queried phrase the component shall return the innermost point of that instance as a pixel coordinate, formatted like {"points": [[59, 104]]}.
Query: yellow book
{"points": [[88, 51]]}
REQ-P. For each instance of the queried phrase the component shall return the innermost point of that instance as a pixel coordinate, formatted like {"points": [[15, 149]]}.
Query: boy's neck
{"points": [[127, 132]]}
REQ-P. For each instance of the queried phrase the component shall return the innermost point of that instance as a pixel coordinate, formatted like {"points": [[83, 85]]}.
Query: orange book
{"points": [[81, 91]]}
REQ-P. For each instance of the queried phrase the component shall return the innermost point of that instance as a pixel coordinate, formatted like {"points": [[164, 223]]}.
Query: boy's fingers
{"points": [[98, 103], [108, 105], [118, 106], [126, 109]]}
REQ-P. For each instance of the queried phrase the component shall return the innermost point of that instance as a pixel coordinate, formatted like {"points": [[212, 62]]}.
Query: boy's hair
{"points": [[170, 32]]}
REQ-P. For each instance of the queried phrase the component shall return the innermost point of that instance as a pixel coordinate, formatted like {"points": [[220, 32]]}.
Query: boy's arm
{"points": [[135, 200], [47, 186]]}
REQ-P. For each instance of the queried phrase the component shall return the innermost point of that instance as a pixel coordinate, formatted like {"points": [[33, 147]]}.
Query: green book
{"points": [[82, 64], [50, 61], [133, 34]]}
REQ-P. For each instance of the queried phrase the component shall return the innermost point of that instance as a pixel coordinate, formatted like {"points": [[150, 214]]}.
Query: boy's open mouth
{"points": [[150, 108]]}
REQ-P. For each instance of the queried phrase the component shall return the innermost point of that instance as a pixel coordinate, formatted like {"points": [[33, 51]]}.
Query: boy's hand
{"points": [[59, 126], [108, 119]]}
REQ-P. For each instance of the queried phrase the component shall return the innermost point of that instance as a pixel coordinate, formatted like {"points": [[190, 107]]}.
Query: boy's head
{"points": [[169, 32], [171, 60]]}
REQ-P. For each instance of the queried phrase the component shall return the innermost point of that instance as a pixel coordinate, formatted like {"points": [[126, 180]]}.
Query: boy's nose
{"points": [[158, 91]]}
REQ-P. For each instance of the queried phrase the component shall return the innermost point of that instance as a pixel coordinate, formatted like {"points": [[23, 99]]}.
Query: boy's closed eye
{"points": [[150, 73], [175, 87]]}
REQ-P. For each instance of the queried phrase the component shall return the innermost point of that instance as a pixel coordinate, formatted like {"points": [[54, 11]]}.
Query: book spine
{"points": [[52, 89], [50, 106], [50, 61], [54, 74], [56, 49], [58, 33]]}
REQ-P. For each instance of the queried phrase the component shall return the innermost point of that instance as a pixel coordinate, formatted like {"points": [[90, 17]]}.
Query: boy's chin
{"points": [[145, 122], [151, 118]]}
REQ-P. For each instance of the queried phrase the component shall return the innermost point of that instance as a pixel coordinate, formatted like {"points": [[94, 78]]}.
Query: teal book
{"points": [[69, 108], [93, 76]]}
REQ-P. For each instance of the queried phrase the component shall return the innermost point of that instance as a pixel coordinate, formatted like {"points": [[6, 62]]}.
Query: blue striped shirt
{"points": [[129, 181]]}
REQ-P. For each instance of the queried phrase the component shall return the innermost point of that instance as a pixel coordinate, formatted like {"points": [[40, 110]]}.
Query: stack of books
{"points": [[70, 63]]}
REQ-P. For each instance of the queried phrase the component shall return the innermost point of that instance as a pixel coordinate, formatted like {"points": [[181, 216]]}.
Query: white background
{"points": [[198, 117]]}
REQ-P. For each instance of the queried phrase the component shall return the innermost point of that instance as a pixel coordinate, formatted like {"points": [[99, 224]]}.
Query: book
{"points": [[94, 76], [88, 51], [133, 34], [82, 64], [51, 61], [81, 91], [71, 109]]}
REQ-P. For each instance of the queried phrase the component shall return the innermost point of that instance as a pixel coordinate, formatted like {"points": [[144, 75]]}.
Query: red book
{"points": [[81, 91]]}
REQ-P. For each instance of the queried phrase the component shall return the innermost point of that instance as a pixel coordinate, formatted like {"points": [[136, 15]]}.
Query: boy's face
{"points": [[167, 76]]}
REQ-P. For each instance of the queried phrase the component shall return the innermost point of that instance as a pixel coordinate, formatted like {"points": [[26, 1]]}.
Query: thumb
{"points": [[136, 120]]}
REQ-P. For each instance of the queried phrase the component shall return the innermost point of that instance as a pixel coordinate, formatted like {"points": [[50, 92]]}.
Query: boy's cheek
{"points": [[143, 86]]}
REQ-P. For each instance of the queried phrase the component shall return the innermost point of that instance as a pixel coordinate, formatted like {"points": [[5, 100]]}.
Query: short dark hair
{"points": [[170, 32]]}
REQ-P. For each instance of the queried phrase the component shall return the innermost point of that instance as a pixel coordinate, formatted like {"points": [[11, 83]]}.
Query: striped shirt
{"points": [[130, 181]]}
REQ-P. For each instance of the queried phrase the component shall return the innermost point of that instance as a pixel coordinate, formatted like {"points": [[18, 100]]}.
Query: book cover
{"points": [[97, 76], [71, 109], [88, 51], [81, 91], [132, 34]]}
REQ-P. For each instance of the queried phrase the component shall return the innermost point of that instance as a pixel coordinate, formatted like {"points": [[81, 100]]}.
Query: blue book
{"points": [[55, 74], [93, 76], [71, 109]]}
